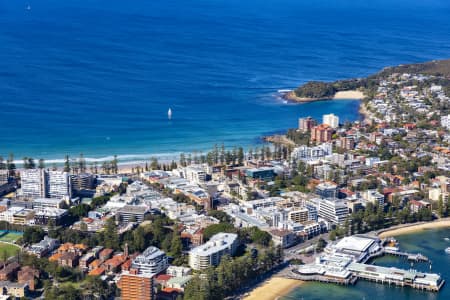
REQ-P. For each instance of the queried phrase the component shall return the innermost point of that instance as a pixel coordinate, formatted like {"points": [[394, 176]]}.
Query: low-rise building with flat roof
{"points": [[132, 213], [263, 173], [44, 247], [283, 238], [44, 215]]}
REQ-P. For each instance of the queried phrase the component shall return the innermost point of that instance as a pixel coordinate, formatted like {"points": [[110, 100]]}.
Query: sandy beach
{"points": [[342, 95], [349, 95], [273, 288], [443, 223]]}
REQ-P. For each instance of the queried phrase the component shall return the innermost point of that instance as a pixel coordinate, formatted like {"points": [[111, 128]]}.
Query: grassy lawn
{"points": [[11, 250]]}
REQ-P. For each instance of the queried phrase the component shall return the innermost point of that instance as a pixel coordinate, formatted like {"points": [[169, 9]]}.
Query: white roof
{"points": [[218, 242], [355, 243]]}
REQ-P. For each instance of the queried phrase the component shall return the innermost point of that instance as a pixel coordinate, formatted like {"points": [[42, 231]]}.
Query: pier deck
{"points": [[410, 256]]}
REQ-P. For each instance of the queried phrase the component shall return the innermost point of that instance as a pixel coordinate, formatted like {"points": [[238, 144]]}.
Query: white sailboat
{"points": [[169, 114]]}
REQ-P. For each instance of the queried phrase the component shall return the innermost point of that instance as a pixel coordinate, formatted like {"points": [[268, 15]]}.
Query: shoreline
{"points": [[278, 139], [411, 228], [341, 95], [276, 287], [128, 161], [273, 288], [363, 111]]}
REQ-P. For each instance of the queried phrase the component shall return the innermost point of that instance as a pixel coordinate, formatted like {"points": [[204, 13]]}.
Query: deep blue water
{"points": [[99, 76]]}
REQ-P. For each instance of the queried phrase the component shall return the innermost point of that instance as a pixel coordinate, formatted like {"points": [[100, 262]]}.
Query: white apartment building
{"points": [[375, 197], [272, 216], [151, 261], [334, 211], [210, 253], [33, 183], [59, 185], [39, 203], [305, 153], [331, 120], [195, 174], [178, 271]]}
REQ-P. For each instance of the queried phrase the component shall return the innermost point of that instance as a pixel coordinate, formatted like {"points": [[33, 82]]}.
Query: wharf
{"points": [[410, 256], [399, 277], [292, 273]]}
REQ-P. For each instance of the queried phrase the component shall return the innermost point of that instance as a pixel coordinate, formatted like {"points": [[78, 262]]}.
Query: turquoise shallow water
{"points": [[428, 242], [98, 77]]}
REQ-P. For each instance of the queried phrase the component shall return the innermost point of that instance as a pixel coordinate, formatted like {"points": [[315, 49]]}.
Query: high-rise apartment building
{"points": [[39, 183], [59, 185], [321, 133], [331, 120], [136, 287], [305, 124], [33, 183], [151, 261], [210, 253]]}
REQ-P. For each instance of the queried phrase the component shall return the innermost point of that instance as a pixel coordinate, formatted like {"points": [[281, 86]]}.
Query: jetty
{"points": [[350, 273], [399, 277], [417, 257], [390, 246], [319, 277]]}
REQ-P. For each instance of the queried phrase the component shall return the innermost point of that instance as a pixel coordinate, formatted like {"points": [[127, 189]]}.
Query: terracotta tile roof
{"points": [[114, 262], [97, 271], [163, 277], [55, 257], [80, 246], [65, 247], [96, 263], [106, 252]]}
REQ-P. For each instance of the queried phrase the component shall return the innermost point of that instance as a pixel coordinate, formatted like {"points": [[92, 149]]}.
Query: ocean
{"points": [[98, 77], [430, 242]]}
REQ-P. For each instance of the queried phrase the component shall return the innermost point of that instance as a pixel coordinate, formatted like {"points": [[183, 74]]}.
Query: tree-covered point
{"points": [[324, 90], [316, 89]]}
